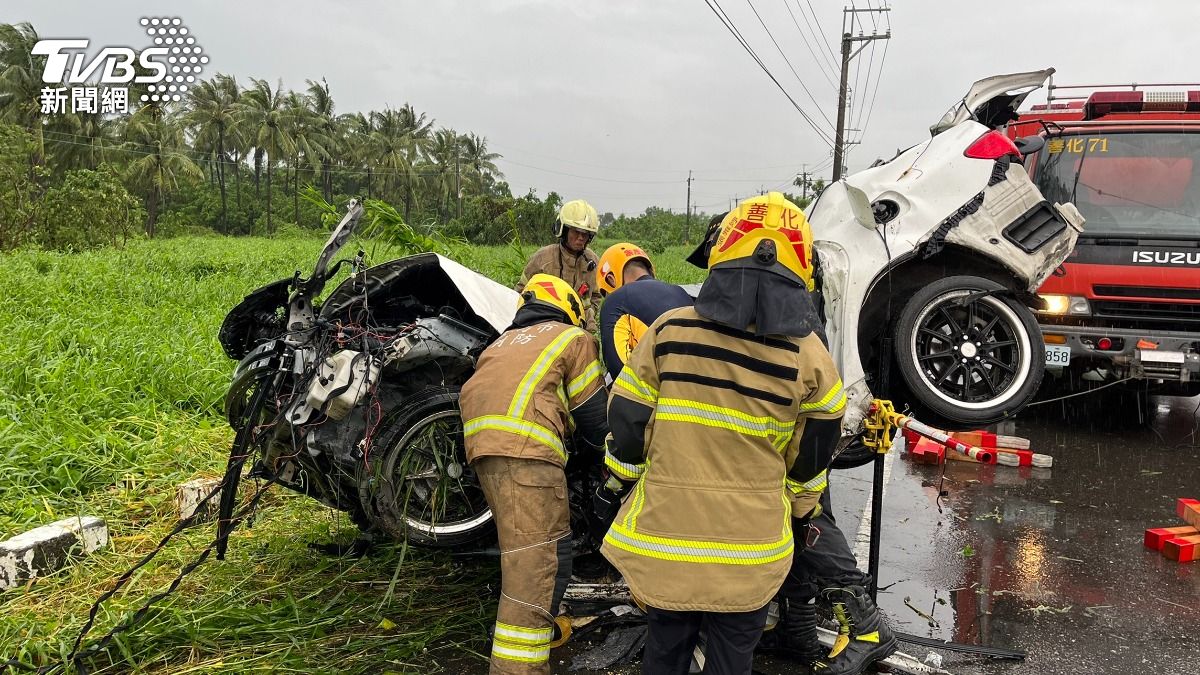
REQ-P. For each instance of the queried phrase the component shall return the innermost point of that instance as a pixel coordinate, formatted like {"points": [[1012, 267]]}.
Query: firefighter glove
{"points": [[605, 504]]}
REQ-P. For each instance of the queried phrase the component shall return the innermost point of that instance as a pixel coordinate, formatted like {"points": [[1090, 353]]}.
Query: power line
{"points": [[725, 21], [789, 64], [871, 106], [820, 65], [828, 44]]}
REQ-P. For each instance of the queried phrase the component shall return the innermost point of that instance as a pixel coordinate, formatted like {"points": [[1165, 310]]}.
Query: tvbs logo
{"points": [[168, 67]]}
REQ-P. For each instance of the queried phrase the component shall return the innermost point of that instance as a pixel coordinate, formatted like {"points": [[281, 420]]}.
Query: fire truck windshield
{"points": [[1127, 185]]}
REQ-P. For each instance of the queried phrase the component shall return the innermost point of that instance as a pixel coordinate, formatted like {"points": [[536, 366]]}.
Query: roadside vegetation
{"points": [[111, 395], [124, 240]]}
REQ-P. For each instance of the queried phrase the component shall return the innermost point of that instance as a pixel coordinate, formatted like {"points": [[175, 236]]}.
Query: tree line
{"points": [[239, 157]]}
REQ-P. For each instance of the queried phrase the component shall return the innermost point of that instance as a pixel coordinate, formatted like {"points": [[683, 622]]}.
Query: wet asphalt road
{"points": [[1049, 561]]}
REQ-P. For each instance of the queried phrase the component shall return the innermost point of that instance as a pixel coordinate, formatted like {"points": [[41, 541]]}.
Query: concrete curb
{"points": [[47, 549]]}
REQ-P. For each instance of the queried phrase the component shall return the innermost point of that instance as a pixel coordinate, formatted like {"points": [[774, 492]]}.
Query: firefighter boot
{"points": [[863, 635], [798, 634]]}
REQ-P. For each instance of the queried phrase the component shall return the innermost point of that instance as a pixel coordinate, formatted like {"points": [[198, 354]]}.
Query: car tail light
{"points": [[992, 145], [1104, 344]]}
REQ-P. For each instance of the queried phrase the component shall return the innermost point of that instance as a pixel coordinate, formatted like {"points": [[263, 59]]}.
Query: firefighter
{"points": [[633, 299], [570, 259], [744, 401], [538, 380]]}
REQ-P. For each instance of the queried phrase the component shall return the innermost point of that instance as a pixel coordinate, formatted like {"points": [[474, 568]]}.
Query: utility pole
{"points": [[848, 41], [803, 182], [687, 227], [457, 184]]}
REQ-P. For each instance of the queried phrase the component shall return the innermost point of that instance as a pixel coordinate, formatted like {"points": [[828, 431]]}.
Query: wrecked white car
{"points": [[929, 263]]}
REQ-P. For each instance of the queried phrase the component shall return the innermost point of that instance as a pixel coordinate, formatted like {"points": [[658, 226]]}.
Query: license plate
{"points": [[1152, 356], [1058, 355]]}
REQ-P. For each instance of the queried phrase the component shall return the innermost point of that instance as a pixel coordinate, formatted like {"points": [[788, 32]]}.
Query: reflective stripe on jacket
{"points": [[518, 402], [708, 524]]}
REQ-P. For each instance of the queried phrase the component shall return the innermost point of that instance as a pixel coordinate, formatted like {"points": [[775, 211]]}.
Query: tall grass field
{"points": [[111, 388]]}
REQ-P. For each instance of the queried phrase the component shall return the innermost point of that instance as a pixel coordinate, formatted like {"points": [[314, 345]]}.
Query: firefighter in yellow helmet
{"points": [[539, 380], [744, 402], [569, 258]]}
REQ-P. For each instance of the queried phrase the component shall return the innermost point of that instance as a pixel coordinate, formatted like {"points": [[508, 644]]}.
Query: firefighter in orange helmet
{"points": [[539, 380], [633, 299]]}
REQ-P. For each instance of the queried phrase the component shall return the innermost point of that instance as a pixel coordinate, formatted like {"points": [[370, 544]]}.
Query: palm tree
{"points": [[481, 161], [401, 138], [320, 103], [21, 84], [356, 129], [163, 162], [303, 127], [261, 111], [81, 140], [443, 168], [212, 115]]}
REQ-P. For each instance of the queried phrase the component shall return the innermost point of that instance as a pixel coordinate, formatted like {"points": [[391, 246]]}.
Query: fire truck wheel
{"points": [[968, 353]]}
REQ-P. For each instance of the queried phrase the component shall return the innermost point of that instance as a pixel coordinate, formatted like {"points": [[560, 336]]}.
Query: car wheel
{"points": [[417, 483], [968, 354]]}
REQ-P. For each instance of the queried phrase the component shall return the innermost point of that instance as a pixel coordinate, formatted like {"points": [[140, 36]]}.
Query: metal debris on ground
{"points": [[621, 645]]}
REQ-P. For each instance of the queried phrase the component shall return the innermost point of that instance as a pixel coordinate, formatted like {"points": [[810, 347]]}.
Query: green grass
{"points": [[111, 386]]}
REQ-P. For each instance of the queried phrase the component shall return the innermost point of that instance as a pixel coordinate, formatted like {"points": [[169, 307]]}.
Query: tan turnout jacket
{"points": [[518, 402], [557, 261], [708, 525]]}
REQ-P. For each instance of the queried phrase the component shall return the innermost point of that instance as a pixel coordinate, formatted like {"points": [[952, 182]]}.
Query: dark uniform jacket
{"points": [[627, 312]]}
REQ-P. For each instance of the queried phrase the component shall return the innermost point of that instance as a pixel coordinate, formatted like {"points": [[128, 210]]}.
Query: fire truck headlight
{"points": [[1073, 305]]}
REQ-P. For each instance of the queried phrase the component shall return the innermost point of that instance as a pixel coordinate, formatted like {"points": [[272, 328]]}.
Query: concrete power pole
{"points": [[848, 40], [687, 226]]}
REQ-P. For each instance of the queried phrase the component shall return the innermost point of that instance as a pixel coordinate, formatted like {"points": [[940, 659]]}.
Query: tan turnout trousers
{"points": [[529, 504]]}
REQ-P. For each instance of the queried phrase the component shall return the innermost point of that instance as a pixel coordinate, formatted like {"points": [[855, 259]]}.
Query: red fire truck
{"points": [[1126, 303]]}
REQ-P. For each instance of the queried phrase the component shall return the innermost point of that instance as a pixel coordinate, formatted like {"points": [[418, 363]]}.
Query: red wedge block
{"points": [[925, 451], [1182, 549], [1189, 510], [1156, 537]]}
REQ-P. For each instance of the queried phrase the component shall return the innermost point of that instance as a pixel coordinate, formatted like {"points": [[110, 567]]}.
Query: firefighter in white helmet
{"points": [[569, 258]]}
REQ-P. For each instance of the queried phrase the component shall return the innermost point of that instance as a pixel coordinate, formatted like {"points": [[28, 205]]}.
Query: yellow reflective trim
{"points": [[815, 484], [538, 370], [520, 427], [687, 550], [523, 635], [833, 401], [581, 383], [509, 652], [873, 636], [630, 383], [639, 500], [621, 469], [695, 412]]}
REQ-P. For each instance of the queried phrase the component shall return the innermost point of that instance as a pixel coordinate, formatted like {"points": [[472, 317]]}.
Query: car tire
{"points": [[416, 482], [968, 353]]}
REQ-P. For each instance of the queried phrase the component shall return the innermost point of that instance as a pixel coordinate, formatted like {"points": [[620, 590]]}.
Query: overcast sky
{"points": [[615, 100]]}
